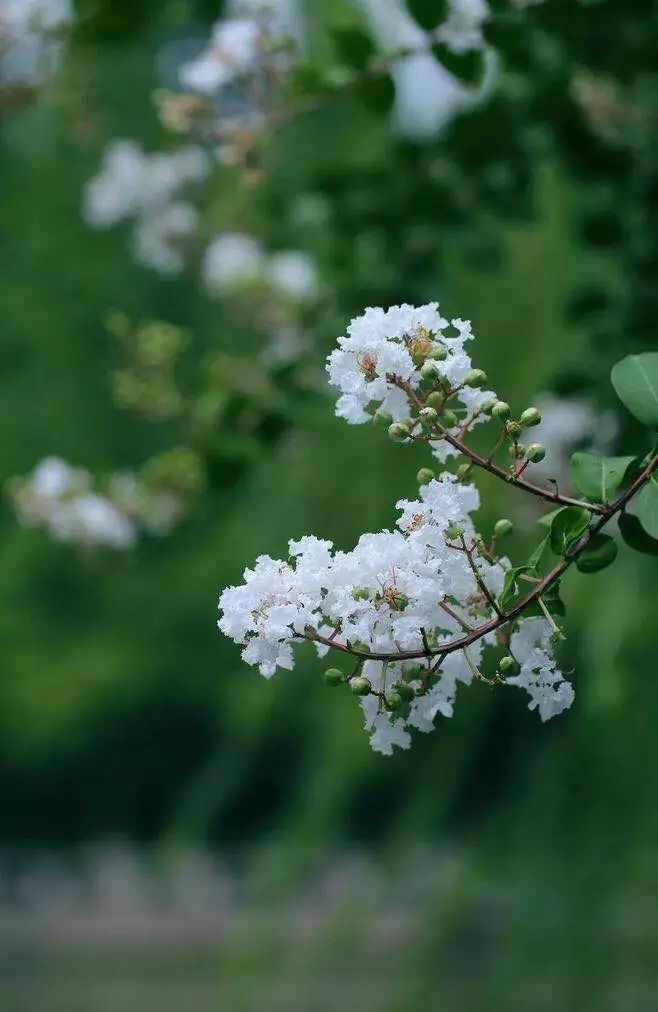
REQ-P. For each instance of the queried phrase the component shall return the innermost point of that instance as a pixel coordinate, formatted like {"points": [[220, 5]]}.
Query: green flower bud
{"points": [[425, 476], [453, 531], [428, 416], [463, 471], [399, 432], [449, 419], [502, 528], [393, 700], [501, 410], [439, 353], [434, 400], [507, 663], [382, 417], [476, 378], [406, 691], [487, 407], [535, 452], [531, 416], [360, 686], [334, 676], [513, 428], [428, 370]]}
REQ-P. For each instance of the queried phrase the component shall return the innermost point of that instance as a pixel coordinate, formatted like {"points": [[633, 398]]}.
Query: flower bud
{"points": [[399, 432], [393, 700], [428, 416], [435, 400], [406, 691], [334, 676], [438, 353], [382, 417], [453, 531], [425, 476], [513, 428], [502, 528], [475, 378], [428, 370], [501, 410], [463, 471], [449, 419], [531, 416], [506, 664], [535, 452], [360, 686]]}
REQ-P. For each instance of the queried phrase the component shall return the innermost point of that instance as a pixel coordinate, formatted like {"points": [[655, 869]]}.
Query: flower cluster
{"points": [[134, 184], [416, 607], [31, 39], [234, 260], [62, 499]]}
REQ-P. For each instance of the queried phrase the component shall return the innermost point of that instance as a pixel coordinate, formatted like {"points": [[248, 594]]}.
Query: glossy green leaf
{"points": [[599, 553], [511, 588], [635, 536], [635, 380], [429, 14], [599, 478], [552, 602], [538, 554], [467, 67], [567, 527], [647, 508], [353, 45]]}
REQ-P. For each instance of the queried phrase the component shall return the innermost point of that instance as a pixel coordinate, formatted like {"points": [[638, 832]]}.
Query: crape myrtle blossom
{"points": [[419, 608], [32, 39], [233, 260]]}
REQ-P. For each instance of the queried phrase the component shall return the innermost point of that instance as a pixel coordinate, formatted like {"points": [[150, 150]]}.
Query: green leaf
{"points": [[635, 380], [428, 13], [552, 601], [353, 45], [567, 527], [467, 67], [647, 508], [548, 518], [598, 478], [511, 586], [538, 554], [599, 553], [378, 93], [635, 535]]}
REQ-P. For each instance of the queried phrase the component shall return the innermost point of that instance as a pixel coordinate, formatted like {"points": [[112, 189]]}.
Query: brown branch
{"points": [[519, 607]]}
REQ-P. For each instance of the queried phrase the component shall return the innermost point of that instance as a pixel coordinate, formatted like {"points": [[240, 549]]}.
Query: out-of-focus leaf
{"points": [[598, 478], [378, 93], [635, 380], [429, 14], [599, 553], [467, 67], [353, 45]]}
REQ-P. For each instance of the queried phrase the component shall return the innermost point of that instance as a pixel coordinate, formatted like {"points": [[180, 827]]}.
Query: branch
{"points": [[607, 513]]}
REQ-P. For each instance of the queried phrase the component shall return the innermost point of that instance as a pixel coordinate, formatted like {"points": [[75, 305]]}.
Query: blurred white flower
{"points": [[233, 48], [294, 273], [232, 259], [161, 237], [31, 42]]}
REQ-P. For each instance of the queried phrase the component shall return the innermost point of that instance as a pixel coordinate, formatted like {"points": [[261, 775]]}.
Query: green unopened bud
{"points": [[507, 663], [428, 416], [449, 419], [435, 400], [453, 531], [406, 691], [487, 407], [382, 417], [334, 676], [428, 370], [501, 410], [360, 686], [393, 700], [463, 471], [475, 378], [439, 353], [502, 528], [513, 428], [399, 432], [535, 452], [425, 476], [531, 416]]}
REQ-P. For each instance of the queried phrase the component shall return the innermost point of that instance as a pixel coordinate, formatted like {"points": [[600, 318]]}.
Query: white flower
{"points": [[549, 692], [293, 272], [234, 48], [232, 259], [31, 45], [161, 238]]}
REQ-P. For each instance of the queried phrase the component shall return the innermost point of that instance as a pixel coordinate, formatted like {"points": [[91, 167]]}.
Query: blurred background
{"points": [[181, 246]]}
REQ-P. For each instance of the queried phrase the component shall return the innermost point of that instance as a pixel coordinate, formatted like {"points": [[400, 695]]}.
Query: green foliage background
{"points": [[123, 713]]}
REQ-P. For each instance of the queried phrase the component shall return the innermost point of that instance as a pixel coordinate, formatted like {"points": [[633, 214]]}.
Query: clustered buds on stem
{"points": [[422, 608]]}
